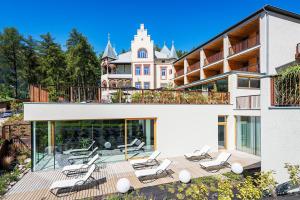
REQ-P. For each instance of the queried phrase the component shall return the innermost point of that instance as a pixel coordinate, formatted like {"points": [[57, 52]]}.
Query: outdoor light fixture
{"points": [[237, 168], [123, 185], [107, 145], [184, 176]]}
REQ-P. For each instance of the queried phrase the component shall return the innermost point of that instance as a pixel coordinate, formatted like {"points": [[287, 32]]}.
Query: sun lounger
{"points": [[151, 161], [133, 149], [84, 158], [199, 154], [218, 163], [73, 169], [154, 173], [77, 151], [128, 145], [72, 184]]}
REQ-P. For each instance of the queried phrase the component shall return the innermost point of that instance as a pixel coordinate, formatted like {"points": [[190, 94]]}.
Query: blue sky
{"points": [[187, 22]]}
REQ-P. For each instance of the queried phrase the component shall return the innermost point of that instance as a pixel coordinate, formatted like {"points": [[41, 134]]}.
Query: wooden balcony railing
{"points": [[250, 68], [248, 102], [285, 90], [214, 58], [134, 96], [243, 45], [193, 67], [179, 73]]}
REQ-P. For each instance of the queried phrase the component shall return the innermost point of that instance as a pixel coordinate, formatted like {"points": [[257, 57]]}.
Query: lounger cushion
{"points": [[204, 150], [75, 167], [138, 161], [210, 163], [145, 172], [64, 183]]}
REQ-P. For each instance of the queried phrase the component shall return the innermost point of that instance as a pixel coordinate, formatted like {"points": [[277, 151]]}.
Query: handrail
{"points": [[243, 45], [250, 68], [213, 58], [193, 67], [179, 73]]}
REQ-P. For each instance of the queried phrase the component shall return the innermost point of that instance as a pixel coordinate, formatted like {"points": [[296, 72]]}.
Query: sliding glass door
{"points": [[248, 134], [114, 140]]}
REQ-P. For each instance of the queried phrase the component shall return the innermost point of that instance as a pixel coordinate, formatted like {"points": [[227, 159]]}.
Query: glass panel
{"points": [[221, 118], [248, 134], [243, 82], [143, 132], [43, 147], [221, 136], [222, 85], [254, 83]]}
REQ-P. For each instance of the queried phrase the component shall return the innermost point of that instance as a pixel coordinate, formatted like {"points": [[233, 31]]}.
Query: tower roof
{"points": [[165, 50], [173, 53], [109, 51]]}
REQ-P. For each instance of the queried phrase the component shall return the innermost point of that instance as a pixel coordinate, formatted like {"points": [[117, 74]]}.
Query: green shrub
{"points": [[225, 190], [248, 190]]}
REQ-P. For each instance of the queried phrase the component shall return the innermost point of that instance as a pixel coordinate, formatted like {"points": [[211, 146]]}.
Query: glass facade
{"points": [[116, 140], [248, 134], [220, 85]]}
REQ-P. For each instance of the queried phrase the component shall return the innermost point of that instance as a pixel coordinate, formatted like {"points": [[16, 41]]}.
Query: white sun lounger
{"points": [[76, 151], [219, 162], [71, 159], [154, 173], [138, 148], [199, 154], [128, 145], [151, 161], [73, 183], [79, 167]]}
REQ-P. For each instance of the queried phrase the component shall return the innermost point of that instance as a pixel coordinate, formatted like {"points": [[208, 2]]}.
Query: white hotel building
{"points": [[239, 61]]}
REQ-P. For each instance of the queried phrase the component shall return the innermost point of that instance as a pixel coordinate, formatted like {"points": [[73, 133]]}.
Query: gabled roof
{"points": [[109, 51], [160, 55], [123, 58], [173, 53]]}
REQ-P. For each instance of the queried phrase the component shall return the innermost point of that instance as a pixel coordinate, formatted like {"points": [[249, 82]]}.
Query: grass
{"points": [[7, 178]]}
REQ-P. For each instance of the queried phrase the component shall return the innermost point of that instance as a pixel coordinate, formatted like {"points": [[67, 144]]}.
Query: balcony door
{"points": [[222, 124]]}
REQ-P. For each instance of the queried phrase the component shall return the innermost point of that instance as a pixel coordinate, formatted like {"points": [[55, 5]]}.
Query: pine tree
{"points": [[12, 59], [31, 61]]}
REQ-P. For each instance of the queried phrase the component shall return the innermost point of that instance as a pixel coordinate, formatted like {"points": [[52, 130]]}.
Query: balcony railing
{"points": [[248, 102], [243, 45], [214, 58], [193, 67], [179, 73], [130, 96], [285, 91], [250, 68]]}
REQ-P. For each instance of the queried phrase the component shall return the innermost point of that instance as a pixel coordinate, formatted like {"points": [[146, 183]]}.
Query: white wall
{"points": [[284, 34], [180, 128]]}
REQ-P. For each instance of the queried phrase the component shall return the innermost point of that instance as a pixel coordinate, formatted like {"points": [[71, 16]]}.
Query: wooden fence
{"points": [[19, 133]]}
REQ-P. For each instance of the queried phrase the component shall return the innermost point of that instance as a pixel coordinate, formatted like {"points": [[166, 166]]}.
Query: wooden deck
{"points": [[34, 185]]}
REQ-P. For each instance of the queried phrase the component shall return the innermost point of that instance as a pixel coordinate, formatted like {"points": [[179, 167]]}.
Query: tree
{"points": [[12, 58], [31, 61], [83, 65], [180, 53]]}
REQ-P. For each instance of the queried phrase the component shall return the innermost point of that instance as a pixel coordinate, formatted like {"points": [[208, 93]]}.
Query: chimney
{"points": [[142, 27]]}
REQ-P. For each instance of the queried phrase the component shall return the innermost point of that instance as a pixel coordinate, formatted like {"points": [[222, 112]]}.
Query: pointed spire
{"points": [[165, 49], [173, 53], [109, 51]]}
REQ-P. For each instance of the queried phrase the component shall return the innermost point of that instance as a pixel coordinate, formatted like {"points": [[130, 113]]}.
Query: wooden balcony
{"points": [[214, 58], [179, 73], [193, 67], [250, 68], [244, 45]]}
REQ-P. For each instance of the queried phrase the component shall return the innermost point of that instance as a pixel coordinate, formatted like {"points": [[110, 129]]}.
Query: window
{"points": [[170, 71], [163, 85], [248, 134], [137, 70], [222, 131], [163, 73], [138, 85], [146, 85], [244, 82], [146, 70], [142, 53]]}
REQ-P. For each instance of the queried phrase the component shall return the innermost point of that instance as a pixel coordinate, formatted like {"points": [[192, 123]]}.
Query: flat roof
{"points": [[263, 9]]}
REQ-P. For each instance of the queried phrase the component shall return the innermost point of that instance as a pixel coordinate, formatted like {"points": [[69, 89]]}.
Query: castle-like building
{"points": [[142, 67]]}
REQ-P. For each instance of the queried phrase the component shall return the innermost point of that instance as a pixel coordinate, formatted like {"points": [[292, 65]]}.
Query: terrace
{"points": [[35, 185], [93, 94]]}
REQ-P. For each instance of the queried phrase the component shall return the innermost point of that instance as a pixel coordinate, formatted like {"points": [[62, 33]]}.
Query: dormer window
{"points": [[142, 53]]}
